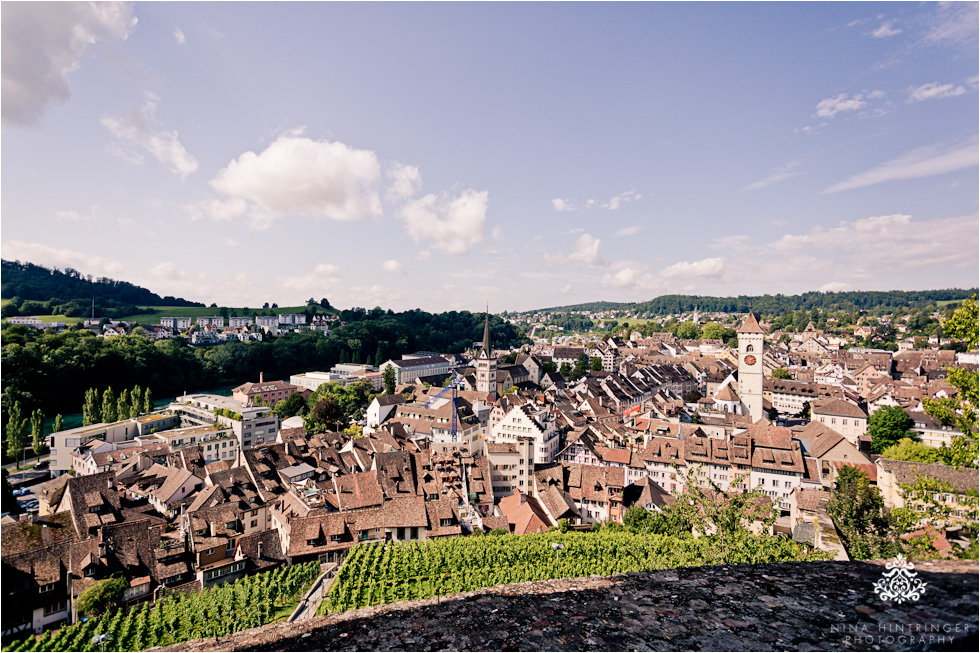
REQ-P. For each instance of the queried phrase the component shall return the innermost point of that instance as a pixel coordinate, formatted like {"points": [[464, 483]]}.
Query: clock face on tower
{"points": [[750, 360]]}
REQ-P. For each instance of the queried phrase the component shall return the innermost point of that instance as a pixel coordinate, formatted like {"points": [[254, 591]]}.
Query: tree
{"points": [[595, 364], [549, 367], [324, 304], [912, 451], [326, 412], [692, 397], [860, 515], [389, 379], [37, 432], [887, 426], [688, 331], [92, 408], [566, 370], [108, 405], [962, 410], [147, 402], [102, 596], [59, 424], [122, 405], [805, 412], [780, 373], [16, 431], [135, 402], [291, 406]]}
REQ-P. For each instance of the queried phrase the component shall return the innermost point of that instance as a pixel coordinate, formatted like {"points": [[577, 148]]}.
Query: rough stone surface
{"points": [[789, 606]]}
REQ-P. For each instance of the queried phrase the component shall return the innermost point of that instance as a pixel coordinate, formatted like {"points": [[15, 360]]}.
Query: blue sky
{"points": [[443, 155]]}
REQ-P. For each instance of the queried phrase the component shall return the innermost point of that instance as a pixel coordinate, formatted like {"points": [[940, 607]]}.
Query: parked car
{"points": [[21, 491]]}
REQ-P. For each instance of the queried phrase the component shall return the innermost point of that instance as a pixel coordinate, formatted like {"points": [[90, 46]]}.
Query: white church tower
{"points": [[486, 364], [751, 346]]}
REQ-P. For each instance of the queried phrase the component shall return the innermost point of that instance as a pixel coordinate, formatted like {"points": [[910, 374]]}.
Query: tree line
{"points": [[38, 283], [52, 371]]}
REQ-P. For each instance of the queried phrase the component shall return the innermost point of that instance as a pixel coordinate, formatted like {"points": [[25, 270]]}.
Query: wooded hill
{"points": [[857, 300], [37, 290]]}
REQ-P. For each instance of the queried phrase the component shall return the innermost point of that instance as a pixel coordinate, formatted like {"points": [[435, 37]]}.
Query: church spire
{"points": [[486, 350]]}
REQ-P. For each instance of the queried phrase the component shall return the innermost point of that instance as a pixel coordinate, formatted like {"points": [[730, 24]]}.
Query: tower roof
{"points": [[750, 325], [485, 350]]}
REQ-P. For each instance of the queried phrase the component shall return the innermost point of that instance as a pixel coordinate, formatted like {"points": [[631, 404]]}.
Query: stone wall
{"points": [[788, 606]]}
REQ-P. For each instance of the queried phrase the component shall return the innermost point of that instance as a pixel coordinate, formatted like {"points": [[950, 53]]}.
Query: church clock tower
{"points": [[751, 345], [486, 364]]}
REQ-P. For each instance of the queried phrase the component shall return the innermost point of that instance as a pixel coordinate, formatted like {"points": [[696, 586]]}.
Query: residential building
{"points": [[211, 320], [409, 369], [176, 323], [292, 318]]}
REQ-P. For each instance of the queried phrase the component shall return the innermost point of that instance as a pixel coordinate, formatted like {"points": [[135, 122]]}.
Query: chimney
{"points": [[261, 377]]}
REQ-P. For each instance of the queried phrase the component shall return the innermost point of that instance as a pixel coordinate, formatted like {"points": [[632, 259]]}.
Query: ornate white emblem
{"points": [[899, 583]]}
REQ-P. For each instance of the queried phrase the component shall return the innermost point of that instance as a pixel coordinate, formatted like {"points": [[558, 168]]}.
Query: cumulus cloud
{"points": [[392, 265], [922, 162], [135, 129], [179, 36], [562, 205], [779, 174], [46, 255], [42, 42], [729, 242], [299, 176], [324, 278], [403, 181], [885, 30], [168, 270], [934, 91], [585, 251], [830, 107], [452, 224]]}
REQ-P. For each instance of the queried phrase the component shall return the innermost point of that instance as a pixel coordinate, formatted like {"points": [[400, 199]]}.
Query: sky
{"points": [[523, 155]]}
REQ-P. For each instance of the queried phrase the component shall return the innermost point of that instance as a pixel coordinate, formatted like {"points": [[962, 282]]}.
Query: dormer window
{"points": [[46, 588]]}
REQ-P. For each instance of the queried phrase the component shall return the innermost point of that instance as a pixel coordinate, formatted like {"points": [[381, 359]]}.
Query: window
{"points": [[446, 522], [60, 606], [46, 588]]}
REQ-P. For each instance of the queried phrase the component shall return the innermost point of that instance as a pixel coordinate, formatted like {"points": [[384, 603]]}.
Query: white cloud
{"points": [[404, 181], [832, 106], [42, 42], [955, 23], [324, 278], [708, 268], [729, 242], [629, 231], [885, 30], [585, 251], [231, 242], [922, 162], [779, 174], [300, 176], [623, 198], [75, 216], [164, 146], [562, 205], [167, 271], [934, 91], [392, 265], [453, 224], [179, 36], [39, 254]]}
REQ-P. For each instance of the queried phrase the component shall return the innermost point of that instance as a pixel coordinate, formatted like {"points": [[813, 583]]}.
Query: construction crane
{"points": [[454, 381]]}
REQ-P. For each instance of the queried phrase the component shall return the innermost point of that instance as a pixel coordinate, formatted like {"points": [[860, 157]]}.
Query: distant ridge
{"points": [[37, 283], [854, 300]]}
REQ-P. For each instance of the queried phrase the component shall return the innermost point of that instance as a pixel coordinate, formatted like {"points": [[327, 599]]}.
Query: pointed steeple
{"points": [[750, 325], [485, 350]]}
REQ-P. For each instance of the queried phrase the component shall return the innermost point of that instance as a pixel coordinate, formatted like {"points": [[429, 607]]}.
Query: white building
{"points": [[292, 318], [176, 323], [213, 320], [237, 322], [528, 422], [252, 425]]}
